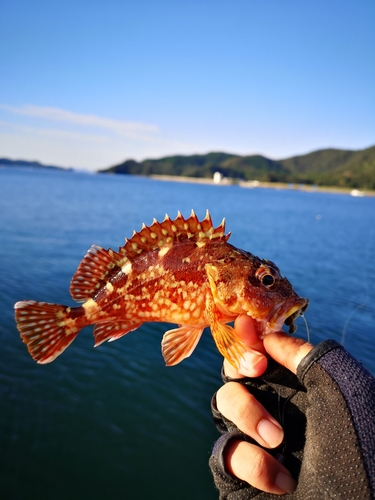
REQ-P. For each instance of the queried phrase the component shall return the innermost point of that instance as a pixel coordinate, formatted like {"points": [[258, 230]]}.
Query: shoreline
{"points": [[192, 180], [270, 185]]}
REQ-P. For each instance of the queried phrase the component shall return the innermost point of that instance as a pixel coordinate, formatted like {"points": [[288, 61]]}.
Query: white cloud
{"points": [[79, 140], [133, 130]]}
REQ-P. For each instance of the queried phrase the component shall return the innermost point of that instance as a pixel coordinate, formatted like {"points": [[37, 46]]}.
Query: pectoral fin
{"points": [[179, 343], [227, 342]]}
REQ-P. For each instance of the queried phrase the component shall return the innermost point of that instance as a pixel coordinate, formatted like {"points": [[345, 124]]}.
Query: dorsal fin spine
{"points": [[161, 234]]}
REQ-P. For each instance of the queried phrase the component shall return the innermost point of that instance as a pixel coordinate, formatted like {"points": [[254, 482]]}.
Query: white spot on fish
{"points": [[91, 308], [126, 268], [187, 304], [163, 251], [196, 313]]}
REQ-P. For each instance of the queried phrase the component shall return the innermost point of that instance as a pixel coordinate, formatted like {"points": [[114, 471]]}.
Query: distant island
{"points": [[6, 162], [326, 167], [345, 169]]}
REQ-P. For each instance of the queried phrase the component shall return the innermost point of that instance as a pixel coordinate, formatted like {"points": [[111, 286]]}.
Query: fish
{"points": [[180, 271]]}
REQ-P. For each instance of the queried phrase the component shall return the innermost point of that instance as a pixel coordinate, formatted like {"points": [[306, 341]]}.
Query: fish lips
{"points": [[286, 313]]}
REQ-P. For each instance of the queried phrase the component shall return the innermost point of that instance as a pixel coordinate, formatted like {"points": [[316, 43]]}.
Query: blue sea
{"points": [[114, 422]]}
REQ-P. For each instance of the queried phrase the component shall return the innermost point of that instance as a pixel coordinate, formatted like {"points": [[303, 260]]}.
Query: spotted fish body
{"points": [[179, 271]]}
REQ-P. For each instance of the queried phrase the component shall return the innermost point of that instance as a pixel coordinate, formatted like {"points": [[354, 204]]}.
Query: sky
{"points": [[92, 83]]}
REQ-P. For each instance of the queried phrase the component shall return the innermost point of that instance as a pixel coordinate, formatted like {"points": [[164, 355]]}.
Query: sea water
{"points": [[114, 422]]}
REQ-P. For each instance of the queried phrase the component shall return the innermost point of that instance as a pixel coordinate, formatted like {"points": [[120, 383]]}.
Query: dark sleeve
{"points": [[328, 415]]}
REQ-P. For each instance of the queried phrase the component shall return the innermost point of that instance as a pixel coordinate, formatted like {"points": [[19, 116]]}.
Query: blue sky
{"points": [[90, 83]]}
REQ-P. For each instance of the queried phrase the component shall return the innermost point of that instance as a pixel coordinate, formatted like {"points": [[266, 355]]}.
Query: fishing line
{"points": [[281, 412], [281, 405], [354, 310], [307, 328], [366, 282]]}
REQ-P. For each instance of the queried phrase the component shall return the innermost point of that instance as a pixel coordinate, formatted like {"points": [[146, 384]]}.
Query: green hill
{"points": [[239, 167], [333, 167], [6, 162], [328, 167]]}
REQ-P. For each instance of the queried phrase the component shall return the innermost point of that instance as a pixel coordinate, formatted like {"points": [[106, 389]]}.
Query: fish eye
{"points": [[268, 280], [267, 275]]}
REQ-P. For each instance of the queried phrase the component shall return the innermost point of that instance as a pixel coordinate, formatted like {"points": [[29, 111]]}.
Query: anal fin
{"points": [[179, 343], [112, 330]]}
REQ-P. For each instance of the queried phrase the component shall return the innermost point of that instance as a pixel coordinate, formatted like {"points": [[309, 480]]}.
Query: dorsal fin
{"points": [[169, 232], [98, 265]]}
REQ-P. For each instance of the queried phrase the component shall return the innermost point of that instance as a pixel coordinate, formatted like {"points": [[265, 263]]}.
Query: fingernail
{"points": [[270, 432], [285, 482], [249, 361]]}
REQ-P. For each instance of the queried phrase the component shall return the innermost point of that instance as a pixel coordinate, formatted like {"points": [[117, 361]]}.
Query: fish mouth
{"points": [[286, 313]]}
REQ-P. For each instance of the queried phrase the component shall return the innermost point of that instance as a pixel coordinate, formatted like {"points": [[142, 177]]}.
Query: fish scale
{"points": [[180, 271]]}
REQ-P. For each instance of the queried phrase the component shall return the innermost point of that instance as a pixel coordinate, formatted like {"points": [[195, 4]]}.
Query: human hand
{"points": [[249, 462]]}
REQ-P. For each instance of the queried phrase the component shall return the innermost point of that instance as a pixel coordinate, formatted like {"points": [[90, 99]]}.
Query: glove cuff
{"points": [[314, 355]]}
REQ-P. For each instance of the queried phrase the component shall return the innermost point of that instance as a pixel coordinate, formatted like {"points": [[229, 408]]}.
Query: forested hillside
{"points": [[328, 167]]}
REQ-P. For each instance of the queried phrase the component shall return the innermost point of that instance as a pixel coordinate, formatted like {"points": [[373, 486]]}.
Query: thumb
{"points": [[286, 350]]}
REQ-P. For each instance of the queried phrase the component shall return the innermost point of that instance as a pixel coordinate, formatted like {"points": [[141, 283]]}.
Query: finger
{"points": [[253, 362], [255, 466], [286, 350], [235, 402], [245, 329]]}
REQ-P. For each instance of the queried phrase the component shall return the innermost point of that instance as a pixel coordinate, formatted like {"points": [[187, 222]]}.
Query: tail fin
{"points": [[44, 328]]}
